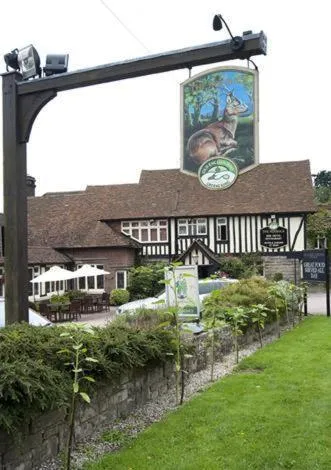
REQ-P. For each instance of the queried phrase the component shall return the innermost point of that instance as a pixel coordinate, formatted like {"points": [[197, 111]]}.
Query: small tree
{"points": [[236, 318], [212, 324], [258, 315], [78, 360]]}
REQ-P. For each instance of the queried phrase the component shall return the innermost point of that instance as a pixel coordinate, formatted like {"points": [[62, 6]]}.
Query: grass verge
{"points": [[273, 413]]}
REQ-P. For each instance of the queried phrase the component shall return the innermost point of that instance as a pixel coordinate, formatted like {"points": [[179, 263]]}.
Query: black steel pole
{"points": [[327, 282], [15, 206]]}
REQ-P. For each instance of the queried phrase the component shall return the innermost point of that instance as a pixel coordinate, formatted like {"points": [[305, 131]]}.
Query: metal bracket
{"points": [[29, 107]]}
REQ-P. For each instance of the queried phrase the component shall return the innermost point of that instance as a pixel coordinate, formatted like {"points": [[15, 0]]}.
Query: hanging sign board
{"points": [[219, 119], [273, 238], [183, 290], [314, 265]]}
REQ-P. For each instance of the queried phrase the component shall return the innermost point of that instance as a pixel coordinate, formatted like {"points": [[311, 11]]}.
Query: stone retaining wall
{"points": [[45, 436]]}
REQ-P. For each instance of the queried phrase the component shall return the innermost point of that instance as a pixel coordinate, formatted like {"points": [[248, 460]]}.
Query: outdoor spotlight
{"points": [[11, 60], [217, 23], [237, 41], [29, 62], [56, 64]]}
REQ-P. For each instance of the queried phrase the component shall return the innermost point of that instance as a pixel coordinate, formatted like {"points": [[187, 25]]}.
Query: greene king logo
{"points": [[218, 173]]}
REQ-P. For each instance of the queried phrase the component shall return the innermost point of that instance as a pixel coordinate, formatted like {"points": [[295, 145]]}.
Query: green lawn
{"points": [[274, 413]]}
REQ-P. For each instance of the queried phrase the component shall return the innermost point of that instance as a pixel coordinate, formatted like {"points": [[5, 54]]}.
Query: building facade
{"points": [[167, 216]]}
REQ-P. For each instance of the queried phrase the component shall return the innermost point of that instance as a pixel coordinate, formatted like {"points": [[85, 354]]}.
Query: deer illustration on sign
{"points": [[217, 138], [219, 118]]}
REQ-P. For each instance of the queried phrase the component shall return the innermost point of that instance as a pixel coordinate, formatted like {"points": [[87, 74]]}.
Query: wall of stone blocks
{"points": [[45, 436]]}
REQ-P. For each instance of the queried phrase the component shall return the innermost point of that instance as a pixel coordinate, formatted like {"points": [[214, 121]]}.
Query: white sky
{"points": [[106, 134]]}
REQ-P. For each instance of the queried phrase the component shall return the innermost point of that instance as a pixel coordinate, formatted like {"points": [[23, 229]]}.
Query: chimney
{"points": [[30, 186]]}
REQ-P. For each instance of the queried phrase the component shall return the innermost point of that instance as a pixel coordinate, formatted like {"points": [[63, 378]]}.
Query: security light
{"points": [[56, 64], [29, 62], [237, 41]]}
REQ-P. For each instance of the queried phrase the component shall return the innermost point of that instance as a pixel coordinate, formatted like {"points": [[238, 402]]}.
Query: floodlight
{"points": [[56, 63], [11, 60], [29, 62]]}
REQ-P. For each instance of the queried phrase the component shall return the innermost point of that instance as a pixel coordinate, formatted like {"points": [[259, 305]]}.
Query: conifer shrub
{"points": [[34, 378]]}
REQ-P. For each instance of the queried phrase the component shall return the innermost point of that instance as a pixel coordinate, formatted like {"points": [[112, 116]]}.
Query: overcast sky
{"points": [[106, 134]]}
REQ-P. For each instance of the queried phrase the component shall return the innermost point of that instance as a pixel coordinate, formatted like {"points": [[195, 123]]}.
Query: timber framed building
{"points": [[168, 215]]}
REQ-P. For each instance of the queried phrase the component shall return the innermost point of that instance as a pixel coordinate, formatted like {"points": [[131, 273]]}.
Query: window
{"points": [[91, 282], [222, 229], [321, 242], [192, 227], [120, 279], [147, 231]]}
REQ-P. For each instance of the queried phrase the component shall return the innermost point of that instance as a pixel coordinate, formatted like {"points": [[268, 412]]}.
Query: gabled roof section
{"points": [[268, 188], [68, 220], [199, 246]]}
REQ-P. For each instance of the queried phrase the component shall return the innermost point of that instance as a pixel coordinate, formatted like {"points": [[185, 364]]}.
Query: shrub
{"points": [[119, 296], [35, 378], [75, 294], [245, 293], [144, 281], [239, 267], [59, 299]]}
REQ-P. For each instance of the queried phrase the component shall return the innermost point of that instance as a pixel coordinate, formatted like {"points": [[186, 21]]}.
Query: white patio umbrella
{"points": [[87, 271], [55, 273]]}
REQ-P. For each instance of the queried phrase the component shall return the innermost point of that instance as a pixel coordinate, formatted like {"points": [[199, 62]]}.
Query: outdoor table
{"points": [[60, 310]]}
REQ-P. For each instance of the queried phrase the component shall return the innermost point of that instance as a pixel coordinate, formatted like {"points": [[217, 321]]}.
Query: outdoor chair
{"points": [[75, 309], [105, 301]]}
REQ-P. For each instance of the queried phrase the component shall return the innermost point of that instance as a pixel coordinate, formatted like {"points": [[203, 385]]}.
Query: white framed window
{"points": [[222, 229], [91, 282], [121, 279], [321, 242], [146, 231], [188, 227]]}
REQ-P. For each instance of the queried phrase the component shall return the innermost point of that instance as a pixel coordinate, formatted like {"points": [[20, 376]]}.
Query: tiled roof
{"points": [[267, 188], [62, 220], [74, 219]]}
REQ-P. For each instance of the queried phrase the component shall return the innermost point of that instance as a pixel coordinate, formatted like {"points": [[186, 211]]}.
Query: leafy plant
{"points": [[144, 281], [212, 325], [78, 362], [236, 317], [177, 327], [119, 296], [258, 315]]}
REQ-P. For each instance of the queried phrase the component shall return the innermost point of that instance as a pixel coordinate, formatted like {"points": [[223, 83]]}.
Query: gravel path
{"points": [[125, 429]]}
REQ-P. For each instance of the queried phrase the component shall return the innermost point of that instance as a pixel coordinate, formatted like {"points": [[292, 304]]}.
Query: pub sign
{"points": [[219, 119], [314, 265], [273, 237]]}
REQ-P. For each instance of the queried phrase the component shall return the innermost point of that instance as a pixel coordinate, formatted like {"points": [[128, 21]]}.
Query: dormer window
{"points": [[147, 231]]}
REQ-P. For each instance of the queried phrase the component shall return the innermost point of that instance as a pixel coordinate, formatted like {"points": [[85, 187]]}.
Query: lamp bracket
{"points": [[29, 107]]}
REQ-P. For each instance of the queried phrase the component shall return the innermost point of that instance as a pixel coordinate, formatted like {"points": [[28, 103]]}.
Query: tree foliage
{"points": [[144, 281], [323, 179]]}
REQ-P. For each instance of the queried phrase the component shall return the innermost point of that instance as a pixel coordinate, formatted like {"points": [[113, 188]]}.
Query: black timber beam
{"points": [[253, 44]]}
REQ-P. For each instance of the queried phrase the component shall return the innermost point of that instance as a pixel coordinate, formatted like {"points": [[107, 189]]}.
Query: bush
{"points": [[144, 281], [59, 299], [75, 294], [245, 293], [35, 378], [244, 266], [119, 297]]}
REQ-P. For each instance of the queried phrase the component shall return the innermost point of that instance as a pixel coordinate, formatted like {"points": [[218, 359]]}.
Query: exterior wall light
{"points": [[56, 63], [25, 60]]}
